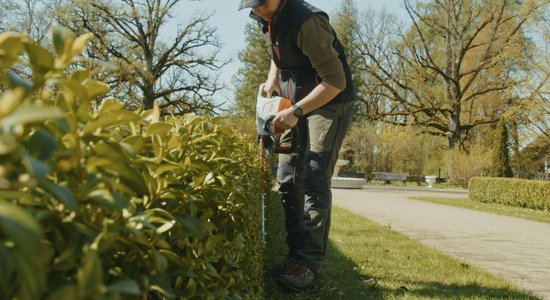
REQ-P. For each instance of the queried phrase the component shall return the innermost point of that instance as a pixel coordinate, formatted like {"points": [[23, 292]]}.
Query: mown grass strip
{"points": [[368, 261], [501, 209]]}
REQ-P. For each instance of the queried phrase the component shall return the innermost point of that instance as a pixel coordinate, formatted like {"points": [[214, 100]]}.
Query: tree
{"points": [[256, 61], [175, 72], [460, 66], [500, 165], [537, 115], [345, 22], [32, 17], [532, 159]]}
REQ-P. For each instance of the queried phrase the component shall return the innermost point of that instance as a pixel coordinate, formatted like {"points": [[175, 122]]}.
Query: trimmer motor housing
{"points": [[274, 139]]}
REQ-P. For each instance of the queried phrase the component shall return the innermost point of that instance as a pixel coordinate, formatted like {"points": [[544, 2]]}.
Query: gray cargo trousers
{"points": [[304, 181]]}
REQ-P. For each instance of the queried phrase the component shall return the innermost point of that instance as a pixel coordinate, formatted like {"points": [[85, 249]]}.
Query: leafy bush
{"points": [[101, 203], [514, 192], [461, 166]]}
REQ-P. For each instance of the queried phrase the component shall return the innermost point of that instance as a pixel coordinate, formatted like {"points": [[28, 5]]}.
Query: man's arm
{"points": [[319, 96], [272, 83], [315, 39]]}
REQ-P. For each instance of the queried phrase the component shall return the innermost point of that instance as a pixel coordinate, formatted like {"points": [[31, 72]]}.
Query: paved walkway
{"points": [[516, 249]]}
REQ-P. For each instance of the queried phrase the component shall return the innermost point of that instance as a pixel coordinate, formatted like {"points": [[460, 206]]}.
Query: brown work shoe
{"points": [[297, 278], [286, 264]]}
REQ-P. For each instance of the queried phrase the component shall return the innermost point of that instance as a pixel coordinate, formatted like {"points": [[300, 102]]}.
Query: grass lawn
{"points": [[518, 212], [368, 261]]}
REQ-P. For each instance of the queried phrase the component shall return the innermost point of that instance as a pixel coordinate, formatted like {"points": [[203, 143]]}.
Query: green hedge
{"points": [[106, 203], [533, 194]]}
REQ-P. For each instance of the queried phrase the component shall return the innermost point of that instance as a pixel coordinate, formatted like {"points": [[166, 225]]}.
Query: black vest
{"points": [[298, 78]]}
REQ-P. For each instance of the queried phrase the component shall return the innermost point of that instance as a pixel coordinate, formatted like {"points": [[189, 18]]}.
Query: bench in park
{"points": [[387, 177]]}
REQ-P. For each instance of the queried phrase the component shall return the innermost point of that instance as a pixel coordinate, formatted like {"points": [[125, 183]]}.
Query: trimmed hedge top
{"points": [[533, 194]]}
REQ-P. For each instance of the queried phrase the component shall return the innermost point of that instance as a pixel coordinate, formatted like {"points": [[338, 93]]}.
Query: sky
{"points": [[230, 24]]}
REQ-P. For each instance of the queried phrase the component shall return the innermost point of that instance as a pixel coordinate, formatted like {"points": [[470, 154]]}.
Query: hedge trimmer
{"points": [[271, 138]]}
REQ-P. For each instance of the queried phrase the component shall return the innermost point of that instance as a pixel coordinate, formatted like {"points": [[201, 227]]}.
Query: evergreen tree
{"points": [[256, 61], [500, 166]]}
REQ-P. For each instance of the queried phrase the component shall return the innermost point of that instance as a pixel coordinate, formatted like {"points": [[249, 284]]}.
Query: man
{"points": [[308, 66]]}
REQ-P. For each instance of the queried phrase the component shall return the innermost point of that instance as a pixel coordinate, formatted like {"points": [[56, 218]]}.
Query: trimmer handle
{"points": [[262, 93]]}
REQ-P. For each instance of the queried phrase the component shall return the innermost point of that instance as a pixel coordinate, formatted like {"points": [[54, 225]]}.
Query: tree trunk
{"points": [[148, 97], [454, 133]]}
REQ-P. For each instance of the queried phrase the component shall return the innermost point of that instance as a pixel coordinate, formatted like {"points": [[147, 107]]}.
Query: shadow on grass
{"points": [[337, 279], [341, 277]]}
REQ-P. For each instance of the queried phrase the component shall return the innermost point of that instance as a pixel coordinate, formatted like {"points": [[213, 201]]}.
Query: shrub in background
{"points": [[361, 139], [390, 148], [414, 150], [100, 204], [461, 166], [514, 192]]}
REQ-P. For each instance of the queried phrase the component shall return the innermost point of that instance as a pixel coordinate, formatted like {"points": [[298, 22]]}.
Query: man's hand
{"points": [[271, 87], [285, 119]]}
